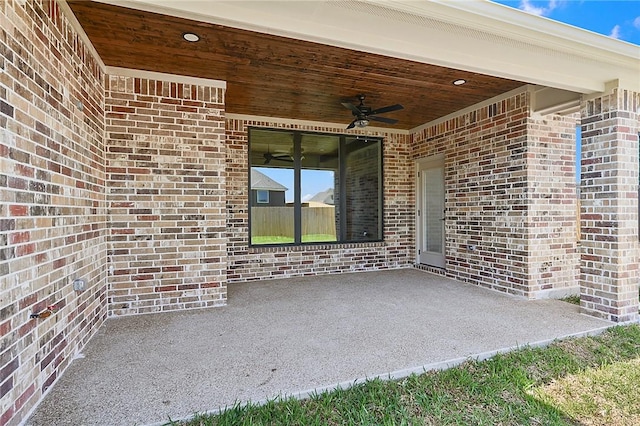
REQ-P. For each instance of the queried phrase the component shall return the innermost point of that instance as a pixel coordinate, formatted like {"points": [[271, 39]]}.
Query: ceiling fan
{"points": [[363, 114], [280, 156], [268, 156]]}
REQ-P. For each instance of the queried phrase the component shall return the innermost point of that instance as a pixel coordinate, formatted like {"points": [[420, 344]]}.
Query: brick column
{"points": [[166, 193], [609, 212]]}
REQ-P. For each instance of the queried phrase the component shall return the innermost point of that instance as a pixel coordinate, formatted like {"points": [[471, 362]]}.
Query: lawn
{"points": [[308, 238], [584, 381]]}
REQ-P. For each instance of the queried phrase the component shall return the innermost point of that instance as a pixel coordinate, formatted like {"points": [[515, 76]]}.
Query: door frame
{"points": [[421, 163]]}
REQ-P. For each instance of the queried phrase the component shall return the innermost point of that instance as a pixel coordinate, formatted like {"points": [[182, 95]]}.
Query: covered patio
{"points": [[292, 337], [129, 131]]}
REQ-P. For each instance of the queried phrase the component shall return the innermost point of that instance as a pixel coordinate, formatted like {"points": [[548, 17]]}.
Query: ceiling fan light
{"points": [[362, 122]]}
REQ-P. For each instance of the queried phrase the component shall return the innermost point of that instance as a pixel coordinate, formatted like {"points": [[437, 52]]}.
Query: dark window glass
{"points": [[329, 188]]}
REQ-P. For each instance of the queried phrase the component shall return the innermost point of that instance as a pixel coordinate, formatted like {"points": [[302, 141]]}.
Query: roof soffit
{"points": [[477, 36]]}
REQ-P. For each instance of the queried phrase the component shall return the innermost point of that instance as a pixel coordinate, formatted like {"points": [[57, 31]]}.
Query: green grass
{"points": [[574, 299], [602, 396], [531, 386], [309, 238]]}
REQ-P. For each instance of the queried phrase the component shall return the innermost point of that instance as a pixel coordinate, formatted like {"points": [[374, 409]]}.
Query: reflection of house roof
{"points": [[261, 181], [325, 197]]}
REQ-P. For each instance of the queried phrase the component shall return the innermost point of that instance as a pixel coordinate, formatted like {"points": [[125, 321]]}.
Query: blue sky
{"points": [[312, 182], [618, 19]]}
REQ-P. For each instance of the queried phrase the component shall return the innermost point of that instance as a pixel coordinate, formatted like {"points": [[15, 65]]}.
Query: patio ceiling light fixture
{"points": [[191, 37], [459, 82]]}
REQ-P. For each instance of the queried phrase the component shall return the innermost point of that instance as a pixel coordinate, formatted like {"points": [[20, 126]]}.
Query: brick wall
{"points": [[246, 264], [492, 154], [554, 261], [52, 200], [165, 165], [609, 200]]}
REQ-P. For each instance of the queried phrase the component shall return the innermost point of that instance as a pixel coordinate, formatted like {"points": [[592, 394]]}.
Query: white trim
{"points": [[526, 88], [565, 108], [66, 11], [546, 100], [175, 78], [609, 87], [369, 130], [432, 159], [503, 20]]}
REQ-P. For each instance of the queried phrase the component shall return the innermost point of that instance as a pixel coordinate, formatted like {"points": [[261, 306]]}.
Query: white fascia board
{"points": [[477, 36], [506, 21], [174, 78]]}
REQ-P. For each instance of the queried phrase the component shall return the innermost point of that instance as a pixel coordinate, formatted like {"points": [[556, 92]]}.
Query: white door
{"points": [[431, 212]]}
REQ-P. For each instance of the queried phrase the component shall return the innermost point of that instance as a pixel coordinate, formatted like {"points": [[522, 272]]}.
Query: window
{"points": [[328, 188], [262, 196]]}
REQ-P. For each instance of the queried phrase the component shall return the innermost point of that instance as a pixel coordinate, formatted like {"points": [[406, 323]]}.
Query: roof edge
{"points": [[548, 31]]}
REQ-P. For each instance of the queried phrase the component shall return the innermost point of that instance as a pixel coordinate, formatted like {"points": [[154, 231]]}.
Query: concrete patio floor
{"points": [[290, 337]]}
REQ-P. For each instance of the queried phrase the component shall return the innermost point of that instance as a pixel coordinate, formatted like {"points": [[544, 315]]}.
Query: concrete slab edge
{"points": [[399, 374]]}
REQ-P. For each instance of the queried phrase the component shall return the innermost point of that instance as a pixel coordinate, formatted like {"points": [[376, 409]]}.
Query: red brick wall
{"points": [[510, 192], [52, 200], [165, 164], [609, 200], [246, 264], [554, 261]]}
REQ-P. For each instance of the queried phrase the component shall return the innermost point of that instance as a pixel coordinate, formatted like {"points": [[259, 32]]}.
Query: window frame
{"points": [[297, 203]]}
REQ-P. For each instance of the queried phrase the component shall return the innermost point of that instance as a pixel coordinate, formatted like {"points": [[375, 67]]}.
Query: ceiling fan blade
{"points": [[383, 119], [352, 125], [389, 108], [352, 107]]}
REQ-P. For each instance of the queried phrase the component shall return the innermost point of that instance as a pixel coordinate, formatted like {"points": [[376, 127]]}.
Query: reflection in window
{"points": [[329, 188], [262, 196], [272, 172], [318, 179]]}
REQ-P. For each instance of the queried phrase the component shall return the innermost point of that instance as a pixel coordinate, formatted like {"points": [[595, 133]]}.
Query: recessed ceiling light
{"points": [[191, 37], [459, 82]]}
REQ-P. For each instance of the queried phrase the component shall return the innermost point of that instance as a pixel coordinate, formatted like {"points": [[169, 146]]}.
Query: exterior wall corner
{"points": [[609, 200]]}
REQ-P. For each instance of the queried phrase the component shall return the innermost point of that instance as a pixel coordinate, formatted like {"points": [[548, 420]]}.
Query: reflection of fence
{"points": [[278, 221]]}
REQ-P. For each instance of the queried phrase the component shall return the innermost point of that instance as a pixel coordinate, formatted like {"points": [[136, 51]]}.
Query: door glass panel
{"points": [[433, 185]]}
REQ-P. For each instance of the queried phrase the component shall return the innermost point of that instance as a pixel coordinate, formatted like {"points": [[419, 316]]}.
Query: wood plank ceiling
{"points": [[275, 76]]}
